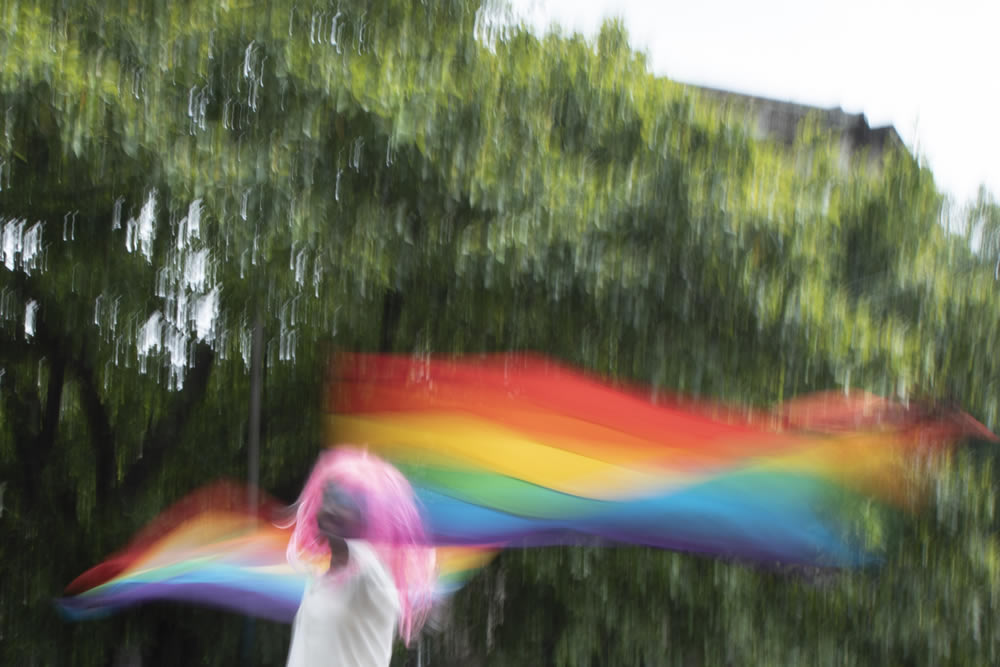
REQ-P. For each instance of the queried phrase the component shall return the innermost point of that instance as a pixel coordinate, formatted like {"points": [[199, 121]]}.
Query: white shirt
{"points": [[347, 619]]}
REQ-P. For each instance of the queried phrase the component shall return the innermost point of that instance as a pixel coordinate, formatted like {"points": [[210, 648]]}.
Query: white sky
{"points": [[931, 69]]}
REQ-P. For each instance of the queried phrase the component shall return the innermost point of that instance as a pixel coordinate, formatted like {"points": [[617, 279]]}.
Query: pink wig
{"points": [[393, 526]]}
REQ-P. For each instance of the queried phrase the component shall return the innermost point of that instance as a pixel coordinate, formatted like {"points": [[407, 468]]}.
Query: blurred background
{"points": [[203, 201]]}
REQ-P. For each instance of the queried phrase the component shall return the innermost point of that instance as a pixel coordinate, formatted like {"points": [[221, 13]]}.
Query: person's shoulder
{"points": [[369, 565], [363, 555]]}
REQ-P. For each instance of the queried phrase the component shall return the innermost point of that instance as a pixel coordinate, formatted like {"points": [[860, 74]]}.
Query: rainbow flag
{"points": [[517, 451], [212, 549]]}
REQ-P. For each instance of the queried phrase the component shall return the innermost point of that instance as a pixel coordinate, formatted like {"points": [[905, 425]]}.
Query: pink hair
{"points": [[393, 527]]}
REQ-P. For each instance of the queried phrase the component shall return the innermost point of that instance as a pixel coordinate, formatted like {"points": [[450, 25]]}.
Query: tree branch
{"points": [[53, 403], [58, 351], [392, 310], [102, 436], [170, 426], [20, 414]]}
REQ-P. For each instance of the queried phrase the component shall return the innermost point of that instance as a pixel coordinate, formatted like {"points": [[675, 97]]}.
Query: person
{"points": [[359, 534]]}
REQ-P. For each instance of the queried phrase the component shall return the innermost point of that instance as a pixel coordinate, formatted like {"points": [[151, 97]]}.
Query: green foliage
{"points": [[416, 177]]}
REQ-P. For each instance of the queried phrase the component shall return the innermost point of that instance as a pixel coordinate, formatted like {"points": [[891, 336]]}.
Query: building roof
{"points": [[779, 121]]}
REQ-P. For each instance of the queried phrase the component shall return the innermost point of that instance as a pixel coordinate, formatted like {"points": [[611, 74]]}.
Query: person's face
{"points": [[338, 516]]}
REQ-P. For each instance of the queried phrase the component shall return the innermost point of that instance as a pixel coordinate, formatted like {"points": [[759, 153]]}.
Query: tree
{"points": [[417, 177]]}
